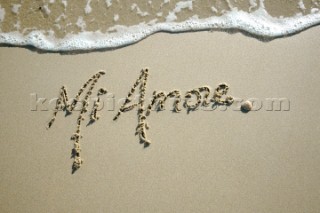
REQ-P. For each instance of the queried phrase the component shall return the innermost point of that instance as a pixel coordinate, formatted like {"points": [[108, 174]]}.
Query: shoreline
{"points": [[89, 30], [261, 161]]}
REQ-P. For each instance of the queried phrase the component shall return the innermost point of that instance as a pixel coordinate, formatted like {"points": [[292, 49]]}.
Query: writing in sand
{"points": [[192, 100]]}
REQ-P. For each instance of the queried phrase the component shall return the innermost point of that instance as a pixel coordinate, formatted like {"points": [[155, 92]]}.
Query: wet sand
{"points": [[74, 16]]}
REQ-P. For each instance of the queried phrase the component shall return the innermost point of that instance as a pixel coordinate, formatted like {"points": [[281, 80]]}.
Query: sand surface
{"points": [[204, 161]]}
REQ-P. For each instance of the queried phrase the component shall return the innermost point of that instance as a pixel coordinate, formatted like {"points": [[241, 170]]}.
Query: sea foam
{"points": [[258, 23]]}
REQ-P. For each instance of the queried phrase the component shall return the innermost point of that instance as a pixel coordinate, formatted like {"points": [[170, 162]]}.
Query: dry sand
{"points": [[204, 161]]}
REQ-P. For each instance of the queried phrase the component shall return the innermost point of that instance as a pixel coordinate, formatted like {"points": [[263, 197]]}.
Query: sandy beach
{"points": [[203, 161]]}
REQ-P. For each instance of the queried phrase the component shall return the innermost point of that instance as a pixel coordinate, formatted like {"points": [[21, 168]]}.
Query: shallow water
{"points": [[61, 25]]}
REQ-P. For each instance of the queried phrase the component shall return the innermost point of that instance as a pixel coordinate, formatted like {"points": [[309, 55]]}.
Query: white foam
{"points": [[153, 21], [88, 8], [179, 6], [182, 5], [116, 17], [253, 4], [261, 4], [46, 9], [17, 25], [214, 9], [15, 8], [2, 13], [301, 5], [258, 23], [134, 6], [65, 3], [171, 17], [58, 19], [315, 10], [81, 23], [109, 3], [229, 4]]}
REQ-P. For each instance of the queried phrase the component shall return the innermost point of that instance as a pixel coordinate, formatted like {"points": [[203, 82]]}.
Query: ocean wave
{"points": [[257, 23]]}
